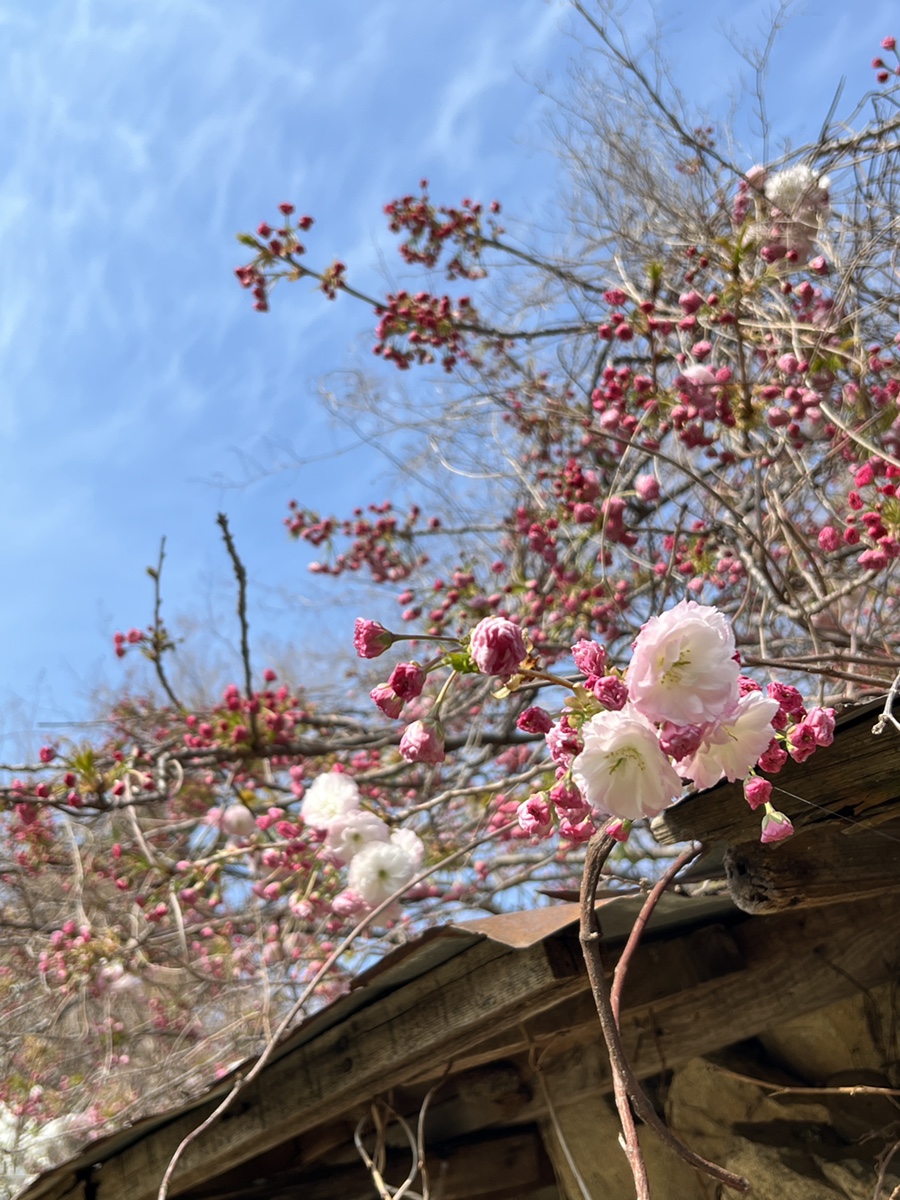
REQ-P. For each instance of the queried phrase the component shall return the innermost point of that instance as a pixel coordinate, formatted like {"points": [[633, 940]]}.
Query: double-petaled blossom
{"points": [[347, 835], [328, 797], [622, 771], [534, 815], [821, 721], [684, 667], [732, 745], [380, 869], [497, 646]]}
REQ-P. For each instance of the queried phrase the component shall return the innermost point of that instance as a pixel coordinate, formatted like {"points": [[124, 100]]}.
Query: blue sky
{"points": [[135, 140]]}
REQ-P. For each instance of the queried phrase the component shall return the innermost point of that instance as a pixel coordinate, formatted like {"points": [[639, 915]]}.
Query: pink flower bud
{"points": [[611, 692], [647, 488], [757, 791], [829, 538], [407, 680], [775, 826], [681, 741], [371, 639], [387, 700], [774, 758], [618, 829], [590, 657], [690, 302], [423, 741], [497, 646], [535, 720]]}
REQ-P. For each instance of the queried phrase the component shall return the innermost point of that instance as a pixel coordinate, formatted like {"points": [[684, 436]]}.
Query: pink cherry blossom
{"points": [[821, 721], [348, 834], [734, 744], [534, 815], [497, 646], [684, 668], [387, 700], [622, 771]]}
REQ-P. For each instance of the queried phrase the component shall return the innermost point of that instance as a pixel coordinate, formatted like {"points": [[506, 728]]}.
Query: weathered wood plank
{"points": [[432, 1018], [825, 865], [793, 963], [858, 776]]}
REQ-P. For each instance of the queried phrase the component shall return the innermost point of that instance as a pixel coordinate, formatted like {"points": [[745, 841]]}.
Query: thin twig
{"points": [[242, 1081], [599, 848], [240, 574]]}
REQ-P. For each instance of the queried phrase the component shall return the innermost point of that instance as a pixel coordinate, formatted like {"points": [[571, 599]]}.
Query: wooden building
{"points": [[754, 1012]]}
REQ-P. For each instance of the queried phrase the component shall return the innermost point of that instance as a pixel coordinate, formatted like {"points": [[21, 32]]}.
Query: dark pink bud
{"points": [[407, 680], [611, 692], [690, 302], [774, 758], [590, 657], [757, 791], [534, 720], [371, 639], [680, 741]]}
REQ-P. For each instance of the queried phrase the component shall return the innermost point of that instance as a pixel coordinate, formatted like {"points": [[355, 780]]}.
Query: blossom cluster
{"points": [[379, 861], [628, 742], [681, 713]]}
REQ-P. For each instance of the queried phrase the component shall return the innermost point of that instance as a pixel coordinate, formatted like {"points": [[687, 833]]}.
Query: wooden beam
{"points": [[489, 1003], [431, 1019], [825, 865]]}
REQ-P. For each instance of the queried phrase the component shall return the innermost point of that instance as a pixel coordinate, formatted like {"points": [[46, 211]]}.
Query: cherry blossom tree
{"points": [[679, 429]]}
